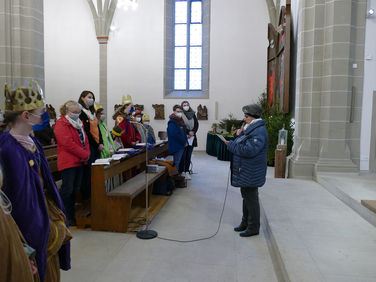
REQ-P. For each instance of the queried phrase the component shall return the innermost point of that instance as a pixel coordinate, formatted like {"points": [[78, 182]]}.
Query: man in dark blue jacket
{"points": [[177, 139], [248, 166]]}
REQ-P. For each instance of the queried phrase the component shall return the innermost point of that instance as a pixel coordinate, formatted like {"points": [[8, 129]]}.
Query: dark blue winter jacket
{"points": [[176, 136], [248, 167]]}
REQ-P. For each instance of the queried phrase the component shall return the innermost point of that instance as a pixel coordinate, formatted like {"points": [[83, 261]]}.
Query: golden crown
{"points": [[127, 100], [24, 98]]}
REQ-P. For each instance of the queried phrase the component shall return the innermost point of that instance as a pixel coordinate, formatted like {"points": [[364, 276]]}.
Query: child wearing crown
{"points": [[37, 206], [130, 136]]}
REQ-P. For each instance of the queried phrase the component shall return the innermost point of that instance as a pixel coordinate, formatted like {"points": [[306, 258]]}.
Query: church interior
{"points": [[301, 70]]}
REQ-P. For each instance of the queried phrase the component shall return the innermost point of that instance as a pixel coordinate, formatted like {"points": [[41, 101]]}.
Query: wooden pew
{"points": [[51, 155], [110, 209]]}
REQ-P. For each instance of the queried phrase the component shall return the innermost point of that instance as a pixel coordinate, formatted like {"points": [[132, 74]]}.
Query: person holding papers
{"points": [[248, 166], [73, 151], [191, 123]]}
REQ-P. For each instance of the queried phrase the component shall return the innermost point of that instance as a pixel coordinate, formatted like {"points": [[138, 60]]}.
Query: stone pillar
{"points": [[21, 42], [103, 13], [325, 136], [103, 71]]}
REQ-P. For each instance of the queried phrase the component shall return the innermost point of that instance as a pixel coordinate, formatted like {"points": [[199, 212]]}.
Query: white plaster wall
{"points": [[369, 86], [71, 51], [238, 43]]}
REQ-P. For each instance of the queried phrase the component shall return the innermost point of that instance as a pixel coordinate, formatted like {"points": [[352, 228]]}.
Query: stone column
{"points": [[328, 89], [103, 71], [103, 13], [21, 42]]}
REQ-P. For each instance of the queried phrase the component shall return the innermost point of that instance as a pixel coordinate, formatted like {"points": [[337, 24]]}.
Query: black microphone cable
{"points": [[219, 223]]}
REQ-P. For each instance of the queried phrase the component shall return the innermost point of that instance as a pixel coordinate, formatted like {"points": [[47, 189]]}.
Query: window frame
{"points": [[169, 61]]}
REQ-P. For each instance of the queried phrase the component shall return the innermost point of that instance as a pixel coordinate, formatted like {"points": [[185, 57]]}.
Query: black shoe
{"points": [[240, 227], [248, 233]]}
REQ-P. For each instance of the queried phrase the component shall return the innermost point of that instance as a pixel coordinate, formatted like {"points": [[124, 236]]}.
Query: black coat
{"points": [[195, 129]]}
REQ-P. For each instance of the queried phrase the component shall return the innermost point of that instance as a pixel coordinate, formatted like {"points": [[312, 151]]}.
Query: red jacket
{"points": [[70, 151], [130, 134]]}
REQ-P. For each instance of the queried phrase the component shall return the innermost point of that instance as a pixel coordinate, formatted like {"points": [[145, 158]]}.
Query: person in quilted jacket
{"points": [[248, 166]]}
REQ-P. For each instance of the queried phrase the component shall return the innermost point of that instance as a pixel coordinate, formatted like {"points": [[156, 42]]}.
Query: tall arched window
{"points": [[187, 49]]}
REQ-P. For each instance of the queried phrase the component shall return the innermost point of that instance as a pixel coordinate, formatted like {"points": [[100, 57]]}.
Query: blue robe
{"points": [[23, 186]]}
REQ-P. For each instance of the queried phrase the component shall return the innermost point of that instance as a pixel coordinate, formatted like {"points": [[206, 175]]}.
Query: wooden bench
{"points": [[110, 210], [51, 155]]}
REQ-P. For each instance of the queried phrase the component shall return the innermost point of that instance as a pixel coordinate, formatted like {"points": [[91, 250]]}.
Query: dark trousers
{"points": [[186, 159], [86, 177], [71, 182], [251, 208]]}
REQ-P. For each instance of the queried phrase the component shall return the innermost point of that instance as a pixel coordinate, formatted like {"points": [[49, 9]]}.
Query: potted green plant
{"points": [[274, 121]]}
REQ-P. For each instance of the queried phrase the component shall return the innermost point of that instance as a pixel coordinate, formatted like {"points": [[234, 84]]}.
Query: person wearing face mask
{"points": [[130, 136], [137, 117], [44, 132], [176, 132], [90, 122], [73, 152], [151, 135], [191, 122], [248, 167], [108, 142], [37, 207]]}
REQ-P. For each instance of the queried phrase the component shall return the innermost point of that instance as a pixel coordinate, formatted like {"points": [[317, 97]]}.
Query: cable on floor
{"points": [[219, 223]]}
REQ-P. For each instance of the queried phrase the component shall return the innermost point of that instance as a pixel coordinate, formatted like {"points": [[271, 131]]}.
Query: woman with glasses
{"points": [[248, 166], [73, 152]]}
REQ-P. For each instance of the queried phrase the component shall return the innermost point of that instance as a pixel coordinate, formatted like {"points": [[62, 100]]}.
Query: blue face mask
{"points": [[131, 110], [45, 122]]}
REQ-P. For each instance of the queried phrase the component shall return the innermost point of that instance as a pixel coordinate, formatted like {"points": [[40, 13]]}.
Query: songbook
{"points": [[190, 140], [102, 161], [222, 138], [118, 157]]}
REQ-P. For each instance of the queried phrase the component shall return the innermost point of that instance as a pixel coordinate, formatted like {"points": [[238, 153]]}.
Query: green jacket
{"points": [[108, 143]]}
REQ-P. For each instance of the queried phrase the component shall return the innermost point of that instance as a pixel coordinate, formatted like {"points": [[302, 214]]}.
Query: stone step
{"points": [[351, 190], [313, 236]]}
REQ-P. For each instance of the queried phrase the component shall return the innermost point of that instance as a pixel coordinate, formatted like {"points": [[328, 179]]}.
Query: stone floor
{"points": [[190, 213], [309, 234]]}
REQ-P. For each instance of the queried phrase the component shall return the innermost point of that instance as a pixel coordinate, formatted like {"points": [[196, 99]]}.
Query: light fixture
{"points": [[126, 4], [370, 12]]}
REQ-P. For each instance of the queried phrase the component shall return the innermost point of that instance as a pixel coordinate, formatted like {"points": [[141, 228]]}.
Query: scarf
{"points": [[25, 141], [178, 119], [252, 122], [189, 120], [88, 113], [79, 126]]}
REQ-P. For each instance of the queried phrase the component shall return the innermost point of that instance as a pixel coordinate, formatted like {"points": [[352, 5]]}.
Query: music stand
{"points": [[146, 233]]}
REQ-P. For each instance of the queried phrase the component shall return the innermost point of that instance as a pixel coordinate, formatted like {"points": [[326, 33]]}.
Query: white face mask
{"points": [[138, 119], [179, 114], [101, 118], [74, 116], [186, 108], [89, 102], [146, 122]]}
